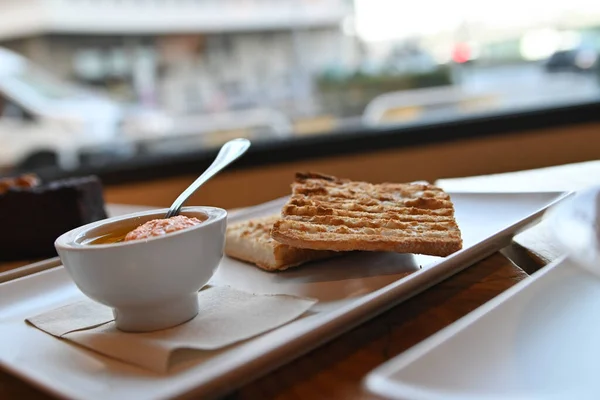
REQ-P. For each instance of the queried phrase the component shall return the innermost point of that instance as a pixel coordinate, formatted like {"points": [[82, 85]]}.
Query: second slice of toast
{"points": [[251, 241]]}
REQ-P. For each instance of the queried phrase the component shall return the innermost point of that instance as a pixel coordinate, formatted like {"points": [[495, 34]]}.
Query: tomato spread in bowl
{"points": [[162, 226]]}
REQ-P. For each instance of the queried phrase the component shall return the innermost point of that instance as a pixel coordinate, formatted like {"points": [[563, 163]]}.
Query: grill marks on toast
{"points": [[328, 213]]}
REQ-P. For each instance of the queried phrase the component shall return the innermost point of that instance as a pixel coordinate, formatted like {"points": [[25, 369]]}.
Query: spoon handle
{"points": [[230, 152]]}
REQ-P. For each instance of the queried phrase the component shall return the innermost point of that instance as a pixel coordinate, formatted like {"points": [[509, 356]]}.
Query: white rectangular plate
{"points": [[350, 290], [538, 340]]}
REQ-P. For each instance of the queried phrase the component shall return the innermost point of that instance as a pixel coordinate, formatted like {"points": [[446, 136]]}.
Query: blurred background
{"points": [[95, 82]]}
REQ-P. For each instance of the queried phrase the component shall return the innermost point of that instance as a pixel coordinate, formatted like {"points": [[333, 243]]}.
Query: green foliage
{"points": [[349, 95], [405, 81]]}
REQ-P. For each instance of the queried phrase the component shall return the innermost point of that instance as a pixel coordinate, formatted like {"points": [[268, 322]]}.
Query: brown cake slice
{"points": [[251, 241], [327, 213], [34, 214]]}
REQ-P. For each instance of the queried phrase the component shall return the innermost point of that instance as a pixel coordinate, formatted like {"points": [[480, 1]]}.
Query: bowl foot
{"points": [[156, 317]]}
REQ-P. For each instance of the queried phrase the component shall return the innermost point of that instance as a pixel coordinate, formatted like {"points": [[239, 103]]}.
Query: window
{"points": [[361, 66], [43, 84], [89, 64], [10, 110]]}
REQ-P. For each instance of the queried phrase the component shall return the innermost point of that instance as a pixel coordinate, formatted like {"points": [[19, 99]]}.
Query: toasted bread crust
{"points": [[328, 213], [251, 241]]}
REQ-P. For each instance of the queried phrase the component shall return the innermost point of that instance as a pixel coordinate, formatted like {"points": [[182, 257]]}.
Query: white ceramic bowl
{"points": [[575, 223], [150, 284]]}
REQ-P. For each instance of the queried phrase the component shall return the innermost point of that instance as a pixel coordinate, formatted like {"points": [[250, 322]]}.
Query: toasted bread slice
{"points": [[251, 241], [327, 213]]}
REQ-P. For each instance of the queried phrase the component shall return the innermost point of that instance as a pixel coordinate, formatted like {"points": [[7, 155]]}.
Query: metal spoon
{"points": [[230, 152]]}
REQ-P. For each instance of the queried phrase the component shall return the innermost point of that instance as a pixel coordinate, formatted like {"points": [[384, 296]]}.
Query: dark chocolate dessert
{"points": [[33, 215]]}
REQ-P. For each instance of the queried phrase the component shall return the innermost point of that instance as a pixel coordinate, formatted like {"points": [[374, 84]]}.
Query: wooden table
{"points": [[336, 369]]}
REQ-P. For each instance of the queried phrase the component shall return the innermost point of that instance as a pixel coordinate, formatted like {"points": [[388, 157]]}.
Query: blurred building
{"points": [[185, 56]]}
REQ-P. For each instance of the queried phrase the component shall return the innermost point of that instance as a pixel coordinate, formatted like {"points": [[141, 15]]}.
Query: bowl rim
{"points": [[67, 240]]}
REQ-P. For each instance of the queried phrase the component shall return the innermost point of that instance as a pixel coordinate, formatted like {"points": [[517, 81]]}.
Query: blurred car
{"points": [[189, 132], [45, 121], [579, 59]]}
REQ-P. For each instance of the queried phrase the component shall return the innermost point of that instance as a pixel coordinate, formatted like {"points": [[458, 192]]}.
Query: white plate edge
{"points": [[378, 382]]}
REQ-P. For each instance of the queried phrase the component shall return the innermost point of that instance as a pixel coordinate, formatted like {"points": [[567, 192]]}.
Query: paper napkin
{"points": [[226, 316]]}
